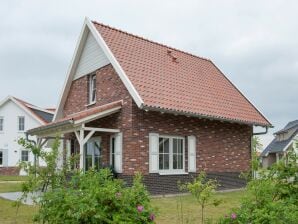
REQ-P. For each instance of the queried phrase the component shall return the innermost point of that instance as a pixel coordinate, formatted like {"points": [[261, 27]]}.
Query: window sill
{"points": [[91, 104], [173, 173]]}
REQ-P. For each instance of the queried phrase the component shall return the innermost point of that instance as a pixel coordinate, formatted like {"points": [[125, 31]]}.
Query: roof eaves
{"points": [[33, 131], [262, 115], [210, 117]]}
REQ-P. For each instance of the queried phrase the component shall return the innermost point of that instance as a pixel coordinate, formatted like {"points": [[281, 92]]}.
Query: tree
{"points": [[203, 190]]}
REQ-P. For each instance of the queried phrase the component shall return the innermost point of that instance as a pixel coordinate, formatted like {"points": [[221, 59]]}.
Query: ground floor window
{"points": [[1, 158], [112, 152], [93, 154], [24, 156], [171, 153]]}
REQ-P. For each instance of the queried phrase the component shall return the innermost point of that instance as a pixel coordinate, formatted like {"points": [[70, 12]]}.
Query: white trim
{"points": [[89, 27], [71, 69], [40, 109], [23, 107], [172, 171], [287, 146], [97, 115], [131, 89], [102, 129]]}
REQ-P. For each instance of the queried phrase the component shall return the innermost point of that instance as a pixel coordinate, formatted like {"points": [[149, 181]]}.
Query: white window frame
{"points": [[1, 124], [171, 170], [19, 117], [1, 164], [22, 155], [92, 88]]}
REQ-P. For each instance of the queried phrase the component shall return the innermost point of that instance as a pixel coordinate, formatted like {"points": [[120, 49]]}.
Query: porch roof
{"points": [[74, 121]]}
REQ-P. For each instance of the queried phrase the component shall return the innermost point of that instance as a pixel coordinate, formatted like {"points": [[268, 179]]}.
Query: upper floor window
{"points": [[92, 88], [21, 123], [1, 123]]}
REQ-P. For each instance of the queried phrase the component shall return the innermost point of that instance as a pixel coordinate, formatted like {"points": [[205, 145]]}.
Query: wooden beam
{"points": [[88, 136], [102, 129]]}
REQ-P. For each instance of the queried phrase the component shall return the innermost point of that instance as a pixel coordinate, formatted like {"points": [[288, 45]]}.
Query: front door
{"points": [[93, 154]]}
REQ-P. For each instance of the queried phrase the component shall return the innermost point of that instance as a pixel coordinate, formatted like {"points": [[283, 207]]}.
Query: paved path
{"points": [[14, 196]]}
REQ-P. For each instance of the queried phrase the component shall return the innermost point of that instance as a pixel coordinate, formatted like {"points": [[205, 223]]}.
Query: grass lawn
{"points": [[169, 209], [10, 187], [8, 213], [13, 178]]}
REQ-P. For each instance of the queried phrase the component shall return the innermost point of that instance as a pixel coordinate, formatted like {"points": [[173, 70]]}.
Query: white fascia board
{"points": [[40, 109], [89, 27], [97, 116], [27, 110], [131, 89], [71, 70], [287, 146], [5, 100]]}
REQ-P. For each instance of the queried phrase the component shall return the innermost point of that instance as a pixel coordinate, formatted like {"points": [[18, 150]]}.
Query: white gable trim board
{"points": [[78, 69], [24, 108]]}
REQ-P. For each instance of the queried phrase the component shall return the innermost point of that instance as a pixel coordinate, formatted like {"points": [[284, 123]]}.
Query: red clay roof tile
{"points": [[174, 80]]}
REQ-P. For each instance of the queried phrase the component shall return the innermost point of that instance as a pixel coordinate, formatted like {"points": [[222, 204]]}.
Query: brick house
{"points": [[138, 105]]}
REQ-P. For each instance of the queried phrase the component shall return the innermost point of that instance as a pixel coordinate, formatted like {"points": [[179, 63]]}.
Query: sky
{"points": [[255, 44]]}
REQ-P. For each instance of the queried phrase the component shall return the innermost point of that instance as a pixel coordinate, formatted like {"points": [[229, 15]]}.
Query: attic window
{"points": [[92, 88]]}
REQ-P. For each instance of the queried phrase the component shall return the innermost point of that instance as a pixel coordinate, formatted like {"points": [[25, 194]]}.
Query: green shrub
{"points": [[76, 197], [95, 197], [272, 198]]}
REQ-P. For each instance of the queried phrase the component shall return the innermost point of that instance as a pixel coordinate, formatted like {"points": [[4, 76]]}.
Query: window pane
{"points": [[180, 146], [161, 161], [166, 145], [1, 158], [160, 145], [166, 161], [24, 156], [180, 161], [175, 145], [1, 123], [21, 123], [175, 161]]}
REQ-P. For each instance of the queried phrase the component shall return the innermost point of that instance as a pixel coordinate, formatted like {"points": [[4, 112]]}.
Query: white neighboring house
{"points": [[16, 117]]}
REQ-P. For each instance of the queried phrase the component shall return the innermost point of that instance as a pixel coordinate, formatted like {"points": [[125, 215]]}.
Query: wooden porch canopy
{"points": [[76, 123]]}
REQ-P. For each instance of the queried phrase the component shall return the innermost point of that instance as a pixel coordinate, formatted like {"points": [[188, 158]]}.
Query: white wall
{"points": [[10, 134]]}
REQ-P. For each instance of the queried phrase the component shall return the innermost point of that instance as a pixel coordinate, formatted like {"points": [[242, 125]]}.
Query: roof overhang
{"points": [[75, 121], [209, 117]]}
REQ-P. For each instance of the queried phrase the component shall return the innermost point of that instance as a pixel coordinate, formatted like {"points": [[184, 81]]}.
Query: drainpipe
{"points": [[251, 145], [34, 142]]}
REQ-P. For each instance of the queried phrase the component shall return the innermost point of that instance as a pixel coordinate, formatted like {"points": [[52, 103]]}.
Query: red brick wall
{"points": [[9, 171], [222, 146]]}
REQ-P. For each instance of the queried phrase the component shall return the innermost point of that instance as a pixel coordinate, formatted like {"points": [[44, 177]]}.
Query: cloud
{"points": [[254, 43]]}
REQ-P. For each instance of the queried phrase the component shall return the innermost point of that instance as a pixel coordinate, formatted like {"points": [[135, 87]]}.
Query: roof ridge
{"points": [[151, 41]]}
